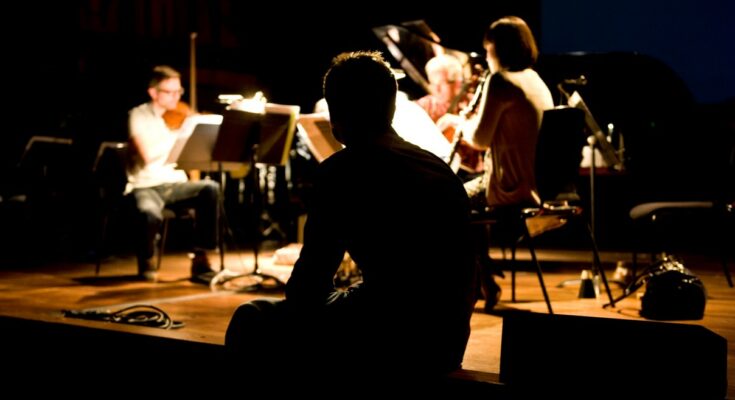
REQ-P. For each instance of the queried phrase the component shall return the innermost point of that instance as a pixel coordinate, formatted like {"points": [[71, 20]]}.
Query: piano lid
{"points": [[412, 44]]}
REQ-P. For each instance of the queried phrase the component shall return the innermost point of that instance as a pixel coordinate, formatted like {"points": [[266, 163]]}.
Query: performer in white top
{"points": [[156, 184]]}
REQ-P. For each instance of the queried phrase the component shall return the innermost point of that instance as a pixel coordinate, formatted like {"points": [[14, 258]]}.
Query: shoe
{"points": [[491, 291], [201, 269], [149, 276], [491, 266], [147, 270]]}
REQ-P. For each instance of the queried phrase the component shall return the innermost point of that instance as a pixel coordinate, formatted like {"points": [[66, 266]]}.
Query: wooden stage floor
{"points": [[41, 293]]}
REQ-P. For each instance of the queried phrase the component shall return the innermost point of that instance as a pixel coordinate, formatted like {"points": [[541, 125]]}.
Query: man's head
{"points": [[165, 88], [360, 90], [445, 76]]}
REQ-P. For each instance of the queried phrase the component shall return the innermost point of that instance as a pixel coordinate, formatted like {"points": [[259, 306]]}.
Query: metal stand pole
{"points": [[220, 218], [592, 142]]}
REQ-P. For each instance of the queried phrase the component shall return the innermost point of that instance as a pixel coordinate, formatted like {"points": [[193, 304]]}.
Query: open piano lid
{"points": [[413, 43]]}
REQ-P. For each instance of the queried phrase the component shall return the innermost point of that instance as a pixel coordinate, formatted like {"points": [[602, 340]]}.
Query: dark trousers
{"points": [[203, 196], [345, 345]]}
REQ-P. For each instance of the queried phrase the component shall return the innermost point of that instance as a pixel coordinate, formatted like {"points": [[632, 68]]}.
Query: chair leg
{"points": [[598, 265], [726, 270], [162, 243], [538, 266], [513, 273], [634, 267]]}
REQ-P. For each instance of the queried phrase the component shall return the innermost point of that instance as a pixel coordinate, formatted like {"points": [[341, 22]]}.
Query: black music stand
{"points": [[193, 147], [255, 138], [193, 150], [316, 131], [596, 139]]}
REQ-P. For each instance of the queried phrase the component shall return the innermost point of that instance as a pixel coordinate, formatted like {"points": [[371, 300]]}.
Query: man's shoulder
{"points": [[334, 163], [141, 110]]}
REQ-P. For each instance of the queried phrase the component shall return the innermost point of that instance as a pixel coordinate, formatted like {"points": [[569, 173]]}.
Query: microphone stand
{"points": [[220, 218], [592, 142]]}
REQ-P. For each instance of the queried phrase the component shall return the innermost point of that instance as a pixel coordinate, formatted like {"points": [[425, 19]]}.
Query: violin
{"points": [[175, 118]]}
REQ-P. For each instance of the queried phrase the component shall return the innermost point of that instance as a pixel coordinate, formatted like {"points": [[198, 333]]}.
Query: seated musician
{"points": [[507, 122], [156, 184], [445, 79], [450, 94]]}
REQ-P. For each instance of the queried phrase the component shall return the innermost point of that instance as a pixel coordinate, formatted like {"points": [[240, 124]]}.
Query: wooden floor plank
{"points": [[40, 294]]}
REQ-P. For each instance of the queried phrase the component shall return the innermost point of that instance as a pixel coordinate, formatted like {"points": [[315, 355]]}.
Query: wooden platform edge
{"points": [[82, 359]]}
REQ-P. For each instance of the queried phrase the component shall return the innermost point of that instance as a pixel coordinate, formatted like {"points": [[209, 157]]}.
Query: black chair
{"points": [[36, 193], [655, 221], [110, 178], [658, 224], [558, 155]]}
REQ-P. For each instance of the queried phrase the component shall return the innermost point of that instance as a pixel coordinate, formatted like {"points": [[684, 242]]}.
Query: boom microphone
{"points": [[581, 81]]}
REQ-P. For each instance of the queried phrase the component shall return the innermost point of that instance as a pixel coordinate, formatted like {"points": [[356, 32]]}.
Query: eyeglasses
{"points": [[179, 92]]}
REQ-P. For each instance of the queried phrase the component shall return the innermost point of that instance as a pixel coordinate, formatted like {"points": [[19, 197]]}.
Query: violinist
{"points": [[450, 95], [445, 81], [155, 184]]}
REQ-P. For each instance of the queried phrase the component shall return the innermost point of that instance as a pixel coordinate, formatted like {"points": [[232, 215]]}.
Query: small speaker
{"points": [[564, 356]]}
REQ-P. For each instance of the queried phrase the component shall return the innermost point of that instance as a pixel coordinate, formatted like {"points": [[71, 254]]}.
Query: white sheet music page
{"points": [[186, 130], [316, 131]]}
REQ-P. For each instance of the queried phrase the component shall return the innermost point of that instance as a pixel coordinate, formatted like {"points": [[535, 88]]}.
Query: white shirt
{"points": [[150, 130]]}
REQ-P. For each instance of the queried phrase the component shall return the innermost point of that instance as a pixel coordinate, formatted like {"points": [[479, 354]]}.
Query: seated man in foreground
{"points": [[403, 216]]}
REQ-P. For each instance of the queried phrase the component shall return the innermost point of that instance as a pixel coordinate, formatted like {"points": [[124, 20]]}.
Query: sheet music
{"points": [[316, 131], [187, 128], [269, 132], [410, 122], [276, 133], [608, 152]]}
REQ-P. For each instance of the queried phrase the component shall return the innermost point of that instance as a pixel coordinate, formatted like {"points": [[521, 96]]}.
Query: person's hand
{"points": [[449, 121]]}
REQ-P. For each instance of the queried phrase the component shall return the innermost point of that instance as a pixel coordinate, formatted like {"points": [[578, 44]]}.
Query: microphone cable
{"points": [[141, 315]]}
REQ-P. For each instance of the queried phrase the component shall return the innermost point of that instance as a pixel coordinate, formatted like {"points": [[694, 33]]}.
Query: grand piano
{"points": [[672, 147]]}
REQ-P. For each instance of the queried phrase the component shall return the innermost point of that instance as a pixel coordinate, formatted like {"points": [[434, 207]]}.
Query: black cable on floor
{"points": [[141, 315]]}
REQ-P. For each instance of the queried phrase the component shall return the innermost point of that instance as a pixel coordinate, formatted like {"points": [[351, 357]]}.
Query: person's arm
{"points": [[312, 280], [479, 130], [151, 138]]}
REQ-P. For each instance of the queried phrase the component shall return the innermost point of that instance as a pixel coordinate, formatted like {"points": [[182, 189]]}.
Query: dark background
{"points": [[81, 66], [662, 75]]}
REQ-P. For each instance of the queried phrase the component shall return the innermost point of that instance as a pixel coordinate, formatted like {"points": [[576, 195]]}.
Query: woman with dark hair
{"points": [[506, 124]]}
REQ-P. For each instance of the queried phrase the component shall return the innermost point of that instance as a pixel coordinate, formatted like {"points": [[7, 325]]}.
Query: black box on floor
{"points": [[564, 356]]}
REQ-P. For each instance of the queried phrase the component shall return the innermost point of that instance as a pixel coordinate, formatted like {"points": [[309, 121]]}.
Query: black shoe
{"points": [[491, 267], [491, 292], [149, 276], [201, 269], [147, 270], [204, 278]]}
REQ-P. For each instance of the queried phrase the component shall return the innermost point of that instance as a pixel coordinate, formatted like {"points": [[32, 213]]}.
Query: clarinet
{"points": [[463, 114]]}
